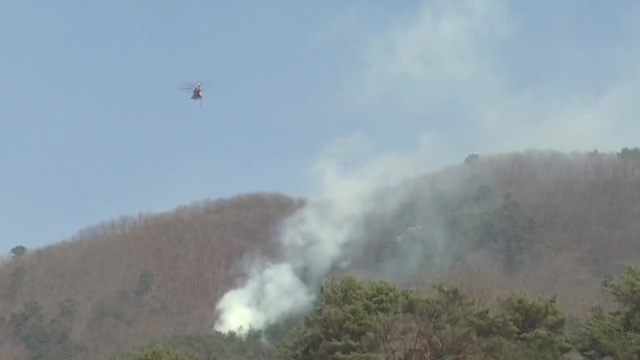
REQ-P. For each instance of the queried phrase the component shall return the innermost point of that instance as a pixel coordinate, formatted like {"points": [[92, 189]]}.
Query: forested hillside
{"points": [[137, 278], [542, 222]]}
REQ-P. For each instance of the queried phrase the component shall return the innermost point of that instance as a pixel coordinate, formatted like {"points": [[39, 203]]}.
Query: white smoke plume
{"points": [[444, 68], [321, 236]]}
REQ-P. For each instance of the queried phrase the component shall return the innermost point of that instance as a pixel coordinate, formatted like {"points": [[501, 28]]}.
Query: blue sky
{"points": [[94, 125]]}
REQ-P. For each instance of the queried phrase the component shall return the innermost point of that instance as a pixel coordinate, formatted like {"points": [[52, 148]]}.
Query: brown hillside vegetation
{"points": [[176, 264], [559, 224], [544, 222]]}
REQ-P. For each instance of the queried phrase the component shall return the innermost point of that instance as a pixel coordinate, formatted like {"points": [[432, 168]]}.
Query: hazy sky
{"points": [[94, 125]]}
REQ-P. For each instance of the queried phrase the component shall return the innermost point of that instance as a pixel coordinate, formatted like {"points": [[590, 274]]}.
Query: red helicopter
{"points": [[196, 92]]}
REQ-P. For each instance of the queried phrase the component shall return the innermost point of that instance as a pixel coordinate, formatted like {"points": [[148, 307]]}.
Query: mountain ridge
{"points": [[141, 277]]}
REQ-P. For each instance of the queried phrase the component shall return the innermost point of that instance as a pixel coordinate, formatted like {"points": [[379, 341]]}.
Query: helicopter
{"points": [[196, 90]]}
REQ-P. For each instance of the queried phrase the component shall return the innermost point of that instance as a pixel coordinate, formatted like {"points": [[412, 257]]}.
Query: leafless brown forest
{"points": [[140, 277]]}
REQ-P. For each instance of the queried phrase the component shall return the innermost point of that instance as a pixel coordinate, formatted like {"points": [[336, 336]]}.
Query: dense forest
{"points": [[529, 255]]}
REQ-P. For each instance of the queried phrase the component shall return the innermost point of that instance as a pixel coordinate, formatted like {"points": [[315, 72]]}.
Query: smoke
{"points": [[269, 295], [456, 66], [324, 235]]}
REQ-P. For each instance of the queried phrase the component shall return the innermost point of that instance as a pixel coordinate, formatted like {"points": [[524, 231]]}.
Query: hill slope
{"points": [[138, 278], [543, 222], [540, 221]]}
